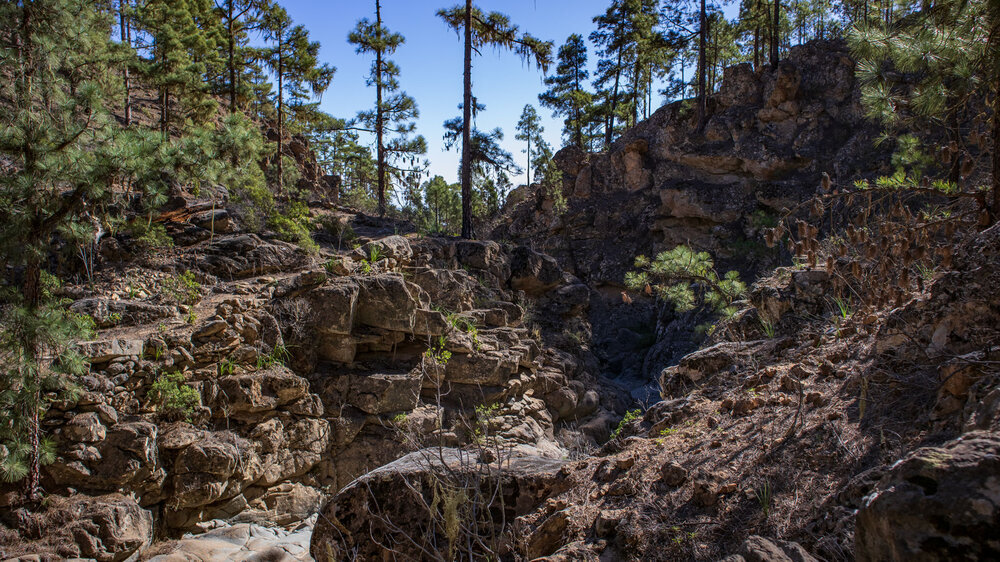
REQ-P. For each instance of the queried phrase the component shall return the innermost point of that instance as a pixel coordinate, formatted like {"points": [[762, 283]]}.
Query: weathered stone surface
{"points": [[697, 366], [293, 286], [107, 313], [449, 288], [386, 301], [299, 446], [215, 467], [127, 459], [245, 255], [108, 528], [289, 503], [241, 542], [247, 395], [86, 428], [373, 393], [760, 549], [391, 247], [102, 351], [532, 272], [372, 511], [939, 503], [332, 306]]}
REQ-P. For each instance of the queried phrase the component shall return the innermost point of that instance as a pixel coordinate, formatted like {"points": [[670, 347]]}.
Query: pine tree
{"points": [[444, 205], [62, 143], [125, 37], [776, 33], [631, 49], [184, 35], [566, 94], [489, 164], [238, 19], [529, 130], [611, 37], [394, 111], [292, 59], [481, 30]]}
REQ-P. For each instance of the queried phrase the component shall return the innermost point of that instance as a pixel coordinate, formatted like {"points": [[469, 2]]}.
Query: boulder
{"points": [[238, 256], [299, 447], [243, 541], [108, 528], [478, 254], [532, 272], [760, 549], [102, 351], [938, 503], [449, 288], [214, 467], [85, 428], [127, 459], [387, 301], [247, 395], [384, 513], [295, 285], [391, 247], [374, 393], [332, 307], [289, 502]]}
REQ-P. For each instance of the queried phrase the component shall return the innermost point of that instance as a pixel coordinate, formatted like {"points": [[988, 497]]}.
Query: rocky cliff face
{"points": [[768, 138], [867, 437], [308, 371]]}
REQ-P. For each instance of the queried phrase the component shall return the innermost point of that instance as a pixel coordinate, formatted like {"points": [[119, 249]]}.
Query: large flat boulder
{"points": [[387, 512]]}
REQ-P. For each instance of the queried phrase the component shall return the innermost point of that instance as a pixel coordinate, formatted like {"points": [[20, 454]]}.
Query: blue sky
{"points": [[431, 63]]}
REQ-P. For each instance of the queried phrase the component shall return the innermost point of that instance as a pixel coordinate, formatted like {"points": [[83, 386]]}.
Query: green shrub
{"points": [[342, 231], [278, 356], [150, 235], [630, 417], [183, 288], [173, 398], [294, 225]]}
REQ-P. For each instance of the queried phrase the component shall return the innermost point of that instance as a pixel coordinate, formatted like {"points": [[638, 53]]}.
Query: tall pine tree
{"points": [[64, 148], [529, 130], [394, 111], [292, 58], [481, 30], [567, 95], [238, 19]]}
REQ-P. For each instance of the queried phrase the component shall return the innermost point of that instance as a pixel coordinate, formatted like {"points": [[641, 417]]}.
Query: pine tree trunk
{"points": [[610, 130], [31, 290], [232, 57], [281, 112], [165, 114], [576, 109], [126, 38], [776, 34], [756, 47], [529, 160], [702, 39], [379, 116], [467, 231], [635, 91]]}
